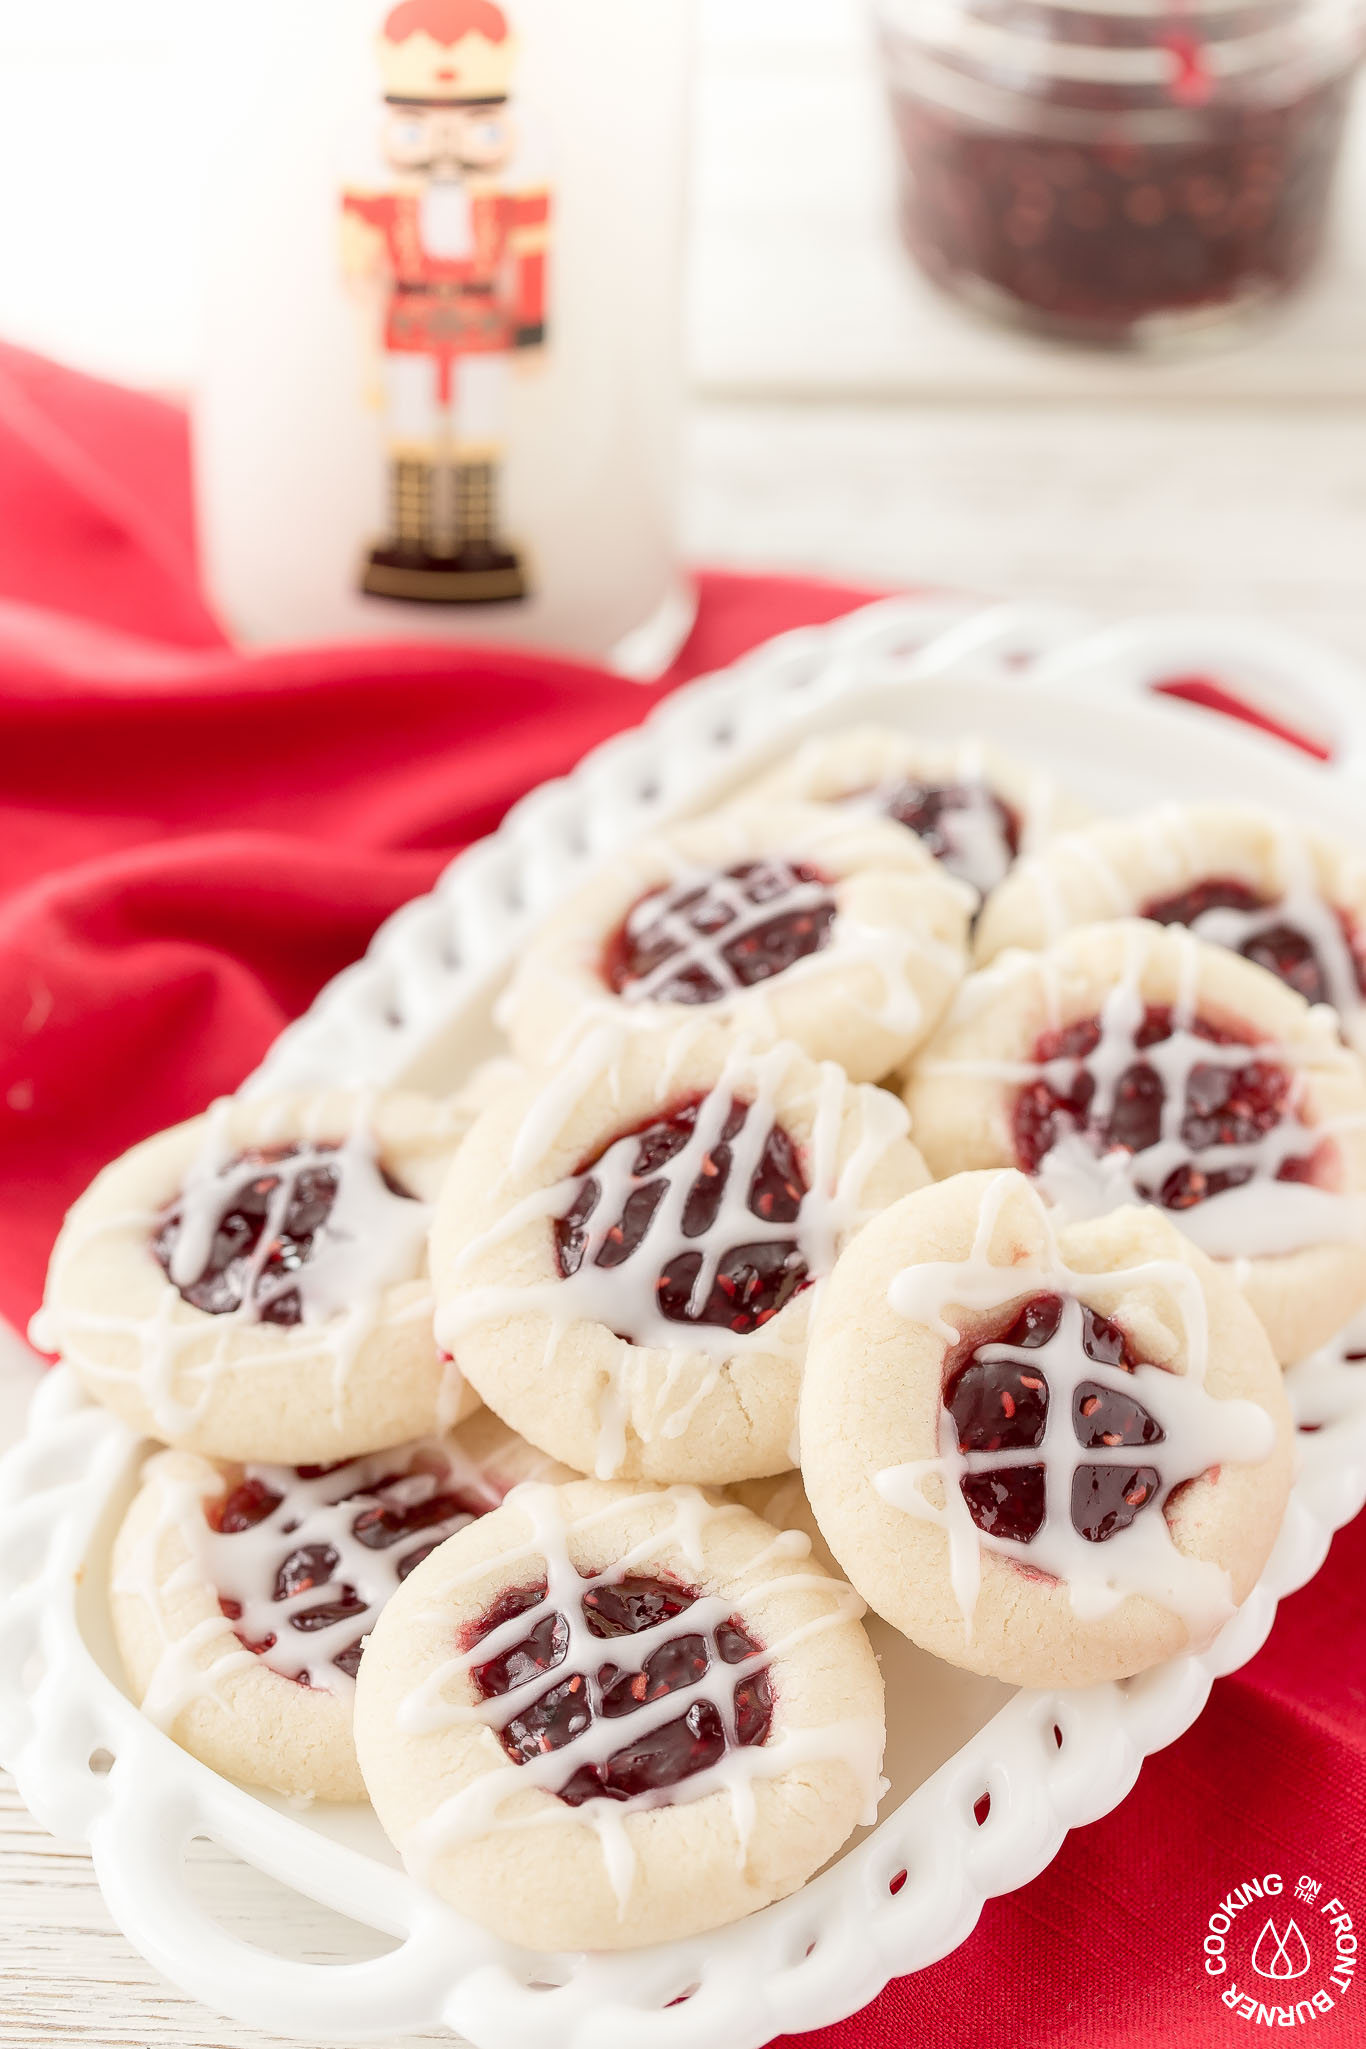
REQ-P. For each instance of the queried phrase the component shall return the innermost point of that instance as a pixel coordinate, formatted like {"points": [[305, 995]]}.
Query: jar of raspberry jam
{"points": [[1119, 172]]}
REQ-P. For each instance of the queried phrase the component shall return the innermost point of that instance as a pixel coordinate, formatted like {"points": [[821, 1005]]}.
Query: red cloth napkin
{"points": [[193, 839]]}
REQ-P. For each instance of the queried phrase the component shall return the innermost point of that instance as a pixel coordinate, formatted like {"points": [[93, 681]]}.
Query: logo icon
{"points": [[1280, 1977], [1280, 1955]]}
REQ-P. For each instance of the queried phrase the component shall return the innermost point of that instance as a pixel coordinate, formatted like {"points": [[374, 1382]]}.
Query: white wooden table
{"points": [[847, 422]]}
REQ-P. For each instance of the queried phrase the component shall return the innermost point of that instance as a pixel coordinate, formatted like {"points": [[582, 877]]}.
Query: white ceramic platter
{"points": [[1039, 682]]}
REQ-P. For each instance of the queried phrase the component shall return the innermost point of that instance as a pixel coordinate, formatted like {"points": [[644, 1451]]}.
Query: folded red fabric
{"points": [[194, 838]]}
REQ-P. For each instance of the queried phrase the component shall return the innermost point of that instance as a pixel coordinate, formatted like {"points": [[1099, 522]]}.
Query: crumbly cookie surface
{"points": [[971, 806], [607, 1716], [241, 1593], [626, 1256], [1289, 899], [254, 1284], [1052, 1457], [782, 921], [1135, 1062]]}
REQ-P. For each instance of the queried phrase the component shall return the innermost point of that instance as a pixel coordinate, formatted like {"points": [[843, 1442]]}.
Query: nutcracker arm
{"points": [[362, 239], [528, 245]]}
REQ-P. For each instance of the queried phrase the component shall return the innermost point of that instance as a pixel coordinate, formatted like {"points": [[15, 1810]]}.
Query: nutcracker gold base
{"points": [[439, 581], [445, 547]]}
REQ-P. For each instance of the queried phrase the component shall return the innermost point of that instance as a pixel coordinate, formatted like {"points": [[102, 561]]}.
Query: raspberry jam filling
{"points": [[275, 1200], [394, 1512], [1001, 1404], [964, 825], [1224, 1105], [704, 939], [676, 1750], [1280, 947], [739, 1287]]}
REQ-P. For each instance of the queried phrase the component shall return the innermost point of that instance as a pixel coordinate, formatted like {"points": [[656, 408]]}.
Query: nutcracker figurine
{"points": [[459, 251]]}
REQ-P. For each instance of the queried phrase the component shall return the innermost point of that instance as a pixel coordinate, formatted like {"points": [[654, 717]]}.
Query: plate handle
{"points": [[138, 1846], [1305, 695]]}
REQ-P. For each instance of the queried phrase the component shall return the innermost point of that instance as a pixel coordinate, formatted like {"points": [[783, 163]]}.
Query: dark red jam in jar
{"points": [[1116, 173], [718, 1717]]}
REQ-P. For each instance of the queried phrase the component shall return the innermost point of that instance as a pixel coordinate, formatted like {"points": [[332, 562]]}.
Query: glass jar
{"points": [[1119, 172]]}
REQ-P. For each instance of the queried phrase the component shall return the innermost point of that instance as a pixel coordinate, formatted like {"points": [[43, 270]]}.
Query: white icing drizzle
{"points": [[979, 852], [977, 848], [624, 1297], [1302, 906], [369, 1231], [1176, 850], [178, 1679], [1262, 1217], [699, 933], [371, 1240], [897, 955], [477, 1808], [1330, 1383], [242, 1565], [898, 958], [1199, 1432]]}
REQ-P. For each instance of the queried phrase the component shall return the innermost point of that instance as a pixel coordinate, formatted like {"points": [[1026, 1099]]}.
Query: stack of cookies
{"points": [[902, 1194]]}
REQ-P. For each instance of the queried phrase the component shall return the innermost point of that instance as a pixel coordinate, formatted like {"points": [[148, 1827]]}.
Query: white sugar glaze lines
{"points": [[369, 1232], [841, 846], [1199, 1432], [624, 1298], [979, 853], [1174, 849], [477, 1808], [371, 1240], [178, 1678], [1329, 1384], [323, 1511], [733, 915], [1261, 1218], [977, 848], [1301, 905], [242, 1565]]}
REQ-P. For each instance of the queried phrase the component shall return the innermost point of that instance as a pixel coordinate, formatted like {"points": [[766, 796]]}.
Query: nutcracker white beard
{"points": [[446, 220]]}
